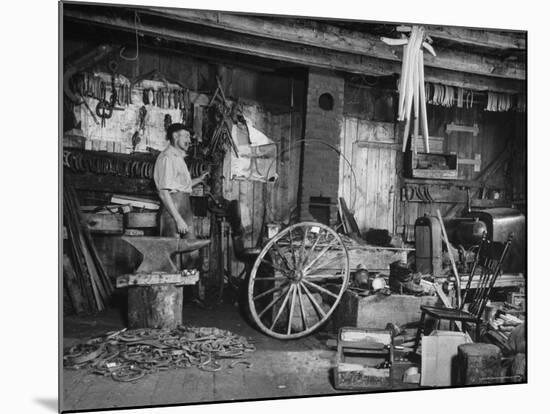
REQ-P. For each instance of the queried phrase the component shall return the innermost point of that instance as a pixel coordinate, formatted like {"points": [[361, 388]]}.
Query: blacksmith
{"points": [[174, 184]]}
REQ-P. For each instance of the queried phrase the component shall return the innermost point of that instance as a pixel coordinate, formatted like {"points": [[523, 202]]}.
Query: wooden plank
{"points": [[370, 187], [393, 188], [289, 52], [345, 177], [377, 145], [480, 37], [148, 279], [436, 144], [327, 36], [372, 257], [72, 285]]}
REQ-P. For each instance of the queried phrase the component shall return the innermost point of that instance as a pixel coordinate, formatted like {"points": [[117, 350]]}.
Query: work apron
{"points": [[168, 227]]}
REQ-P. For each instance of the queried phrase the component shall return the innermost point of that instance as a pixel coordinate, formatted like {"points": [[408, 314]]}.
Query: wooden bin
{"points": [[359, 355]]}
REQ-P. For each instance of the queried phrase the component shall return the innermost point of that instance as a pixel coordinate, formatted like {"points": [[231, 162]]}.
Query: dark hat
{"points": [[174, 128]]}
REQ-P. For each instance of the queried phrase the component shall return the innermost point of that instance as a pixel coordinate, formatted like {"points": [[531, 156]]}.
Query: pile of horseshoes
{"points": [[129, 355]]}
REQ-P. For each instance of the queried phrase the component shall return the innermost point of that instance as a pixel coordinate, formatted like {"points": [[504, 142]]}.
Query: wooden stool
{"points": [[479, 364]]}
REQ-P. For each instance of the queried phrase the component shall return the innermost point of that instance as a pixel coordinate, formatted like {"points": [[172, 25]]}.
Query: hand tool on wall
{"points": [[81, 63], [167, 121]]}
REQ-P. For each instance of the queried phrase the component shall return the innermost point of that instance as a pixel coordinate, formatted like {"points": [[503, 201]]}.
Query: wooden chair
{"points": [[486, 268]]}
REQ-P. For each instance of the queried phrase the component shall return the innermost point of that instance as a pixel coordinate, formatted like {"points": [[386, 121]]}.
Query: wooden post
{"points": [[155, 306]]}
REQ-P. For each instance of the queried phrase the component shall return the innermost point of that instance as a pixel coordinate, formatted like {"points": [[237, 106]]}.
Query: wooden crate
{"points": [[104, 222], [437, 166]]}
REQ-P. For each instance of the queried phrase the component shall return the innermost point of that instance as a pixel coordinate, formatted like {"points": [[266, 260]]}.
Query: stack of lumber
{"points": [[86, 283], [500, 328]]}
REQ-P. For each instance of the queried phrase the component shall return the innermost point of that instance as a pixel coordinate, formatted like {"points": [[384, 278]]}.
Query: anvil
{"points": [[157, 251]]}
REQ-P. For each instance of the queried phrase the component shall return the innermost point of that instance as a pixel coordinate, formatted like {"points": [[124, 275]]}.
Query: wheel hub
{"points": [[296, 276]]}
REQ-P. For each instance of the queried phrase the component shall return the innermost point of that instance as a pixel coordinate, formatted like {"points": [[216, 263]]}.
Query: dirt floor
{"points": [[279, 368]]}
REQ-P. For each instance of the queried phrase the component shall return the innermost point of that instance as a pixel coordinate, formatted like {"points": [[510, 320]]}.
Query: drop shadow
{"points": [[51, 404]]}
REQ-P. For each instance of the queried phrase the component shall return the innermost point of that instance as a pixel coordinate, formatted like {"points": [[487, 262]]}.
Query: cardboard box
{"points": [[439, 358]]}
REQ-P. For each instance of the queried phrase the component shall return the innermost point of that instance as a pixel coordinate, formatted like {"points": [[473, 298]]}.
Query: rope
{"points": [[121, 53]]}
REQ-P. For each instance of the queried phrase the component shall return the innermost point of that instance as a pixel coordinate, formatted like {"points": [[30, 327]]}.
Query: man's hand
{"points": [[203, 176], [182, 226]]}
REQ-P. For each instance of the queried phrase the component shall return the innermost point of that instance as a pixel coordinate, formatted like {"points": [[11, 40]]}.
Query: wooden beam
{"points": [[479, 37], [289, 52], [336, 38]]}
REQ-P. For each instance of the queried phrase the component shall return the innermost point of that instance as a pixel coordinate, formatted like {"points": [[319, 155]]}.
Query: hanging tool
{"points": [[89, 109], [167, 121], [411, 84]]}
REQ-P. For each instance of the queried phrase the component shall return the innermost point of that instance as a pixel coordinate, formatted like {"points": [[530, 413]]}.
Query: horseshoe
{"points": [[127, 374]]}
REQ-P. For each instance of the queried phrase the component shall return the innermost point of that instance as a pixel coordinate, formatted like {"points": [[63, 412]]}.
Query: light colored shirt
{"points": [[171, 172]]}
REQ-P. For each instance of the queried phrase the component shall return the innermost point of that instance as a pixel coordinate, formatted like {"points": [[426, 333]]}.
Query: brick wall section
{"points": [[321, 164]]}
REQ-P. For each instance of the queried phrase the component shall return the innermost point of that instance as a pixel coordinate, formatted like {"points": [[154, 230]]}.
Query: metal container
{"points": [[427, 233], [500, 223]]}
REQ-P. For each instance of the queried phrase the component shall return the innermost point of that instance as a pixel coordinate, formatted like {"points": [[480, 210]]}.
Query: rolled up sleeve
{"points": [[165, 174]]}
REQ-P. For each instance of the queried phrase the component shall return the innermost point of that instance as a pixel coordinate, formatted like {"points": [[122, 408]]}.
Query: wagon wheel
{"points": [[310, 272]]}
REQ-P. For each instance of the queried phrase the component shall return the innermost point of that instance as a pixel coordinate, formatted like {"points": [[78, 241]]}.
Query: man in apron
{"points": [[174, 184]]}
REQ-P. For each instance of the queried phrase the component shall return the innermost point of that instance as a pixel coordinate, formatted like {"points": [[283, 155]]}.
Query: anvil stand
{"points": [[155, 291]]}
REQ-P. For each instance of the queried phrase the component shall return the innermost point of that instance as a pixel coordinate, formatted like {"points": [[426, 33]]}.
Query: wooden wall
{"points": [[369, 115]]}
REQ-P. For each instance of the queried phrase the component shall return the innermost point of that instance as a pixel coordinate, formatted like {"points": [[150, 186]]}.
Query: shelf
{"points": [[444, 182]]}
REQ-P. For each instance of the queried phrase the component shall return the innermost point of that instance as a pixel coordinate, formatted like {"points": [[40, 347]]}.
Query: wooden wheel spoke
{"points": [[267, 292], [321, 289], [270, 305], [313, 301], [282, 256], [321, 254], [327, 264], [272, 278], [274, 266], [282, 306], [303, 248], [292, 302], [302, 311], [294, 261], [310, 277], [310, 250]]}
